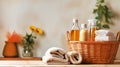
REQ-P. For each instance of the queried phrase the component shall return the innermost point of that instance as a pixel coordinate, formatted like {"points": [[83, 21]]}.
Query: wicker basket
{"points": [[103, 52]]}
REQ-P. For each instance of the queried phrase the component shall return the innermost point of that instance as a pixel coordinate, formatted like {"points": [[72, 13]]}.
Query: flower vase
{"points": [[27, 52]]}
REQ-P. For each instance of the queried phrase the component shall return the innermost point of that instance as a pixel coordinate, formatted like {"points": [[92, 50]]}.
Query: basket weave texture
{"points": [[97, 52]]}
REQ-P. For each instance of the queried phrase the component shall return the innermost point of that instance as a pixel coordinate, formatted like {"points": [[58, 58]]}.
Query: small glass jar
{"points": [[27, 52]]}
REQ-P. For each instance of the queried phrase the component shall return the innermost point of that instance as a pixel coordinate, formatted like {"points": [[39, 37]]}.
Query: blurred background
{"points": [[53, 16]]}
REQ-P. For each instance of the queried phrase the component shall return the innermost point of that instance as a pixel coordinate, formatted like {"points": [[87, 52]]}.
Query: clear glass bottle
{"points": [[92, 29], [84, 32], [27, 52], [75, 32]]}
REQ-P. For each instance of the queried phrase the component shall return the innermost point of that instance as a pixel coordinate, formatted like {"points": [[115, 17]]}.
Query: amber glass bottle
{"points": [[75, 31]]}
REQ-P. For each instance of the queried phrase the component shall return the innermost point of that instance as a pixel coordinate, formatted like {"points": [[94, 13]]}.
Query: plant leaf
{"points": [[98, 25], [95, 11], [101, 1], [106, 26]]}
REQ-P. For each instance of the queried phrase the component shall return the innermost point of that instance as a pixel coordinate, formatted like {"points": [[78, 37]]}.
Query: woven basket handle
{"points": [[68, 35], [118, 36]]}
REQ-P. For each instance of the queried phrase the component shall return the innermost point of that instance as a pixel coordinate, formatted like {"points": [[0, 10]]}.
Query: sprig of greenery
{"points": [[28, 40], [103, 15]]}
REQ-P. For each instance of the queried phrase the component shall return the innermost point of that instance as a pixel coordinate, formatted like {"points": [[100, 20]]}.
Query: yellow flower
{"points": [[33, 28], [36, 30], [39, 31]]}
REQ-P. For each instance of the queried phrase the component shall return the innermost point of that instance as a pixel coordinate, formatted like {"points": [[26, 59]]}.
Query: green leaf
{"points": [[101, 1], [96, 17], [106, 26], [110, 14], [98, 25], [95, 10], [99, 15]]}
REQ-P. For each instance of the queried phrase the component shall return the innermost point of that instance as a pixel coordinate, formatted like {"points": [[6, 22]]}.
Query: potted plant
{"points": [[29, 40], [10, 48], [103, 15]]}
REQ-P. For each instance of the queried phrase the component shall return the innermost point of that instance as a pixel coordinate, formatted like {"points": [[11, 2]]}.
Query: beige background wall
{"points": [[53, 16]]}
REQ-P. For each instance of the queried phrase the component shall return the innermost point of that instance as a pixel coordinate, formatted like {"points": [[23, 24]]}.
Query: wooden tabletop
{"points": [[36, 61], [22, 58], [37, 58], [31, 63]]}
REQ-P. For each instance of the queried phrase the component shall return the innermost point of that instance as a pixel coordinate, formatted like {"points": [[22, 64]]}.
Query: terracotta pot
{"points": [[10, 49]]}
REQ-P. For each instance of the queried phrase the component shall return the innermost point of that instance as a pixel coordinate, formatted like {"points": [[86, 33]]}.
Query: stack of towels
{"points": [[104, 35], [57, 56]]}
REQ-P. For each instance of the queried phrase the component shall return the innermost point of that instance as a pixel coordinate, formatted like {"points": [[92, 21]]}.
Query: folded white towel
{"points": [[54, 61], [55, 51], [105, 38], [55, 55], [104, 33], [75, 57]]}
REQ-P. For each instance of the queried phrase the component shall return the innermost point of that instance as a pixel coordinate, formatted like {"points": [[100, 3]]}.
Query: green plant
{"points": [[103, 15], [28, 41]]}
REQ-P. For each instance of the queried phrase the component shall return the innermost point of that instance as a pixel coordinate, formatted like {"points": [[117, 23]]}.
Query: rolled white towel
{"points": [[105, 38], [55, 55], [104, 33], [74, 57]]}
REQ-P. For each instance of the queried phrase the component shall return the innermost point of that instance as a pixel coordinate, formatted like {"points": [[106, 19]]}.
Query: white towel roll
{"points": [[74, 57]]}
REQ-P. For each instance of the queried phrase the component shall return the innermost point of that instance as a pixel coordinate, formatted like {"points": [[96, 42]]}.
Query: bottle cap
{"points": [[83, 26], [75, 20], [92, 22]]}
